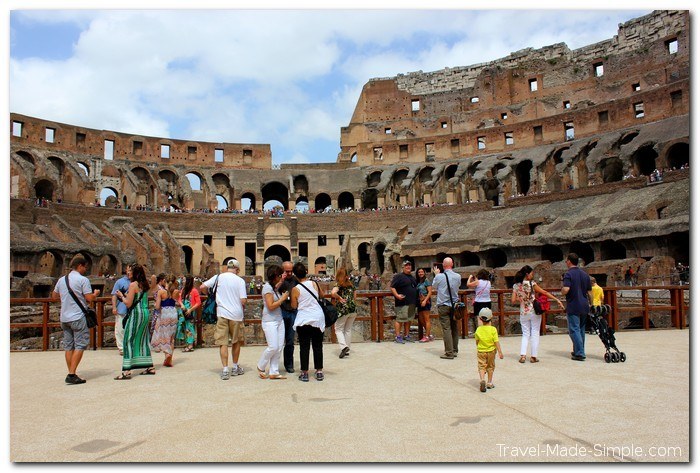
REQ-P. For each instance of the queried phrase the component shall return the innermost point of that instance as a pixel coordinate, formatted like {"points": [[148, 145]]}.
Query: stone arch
{"points": [[399, 176], [27, 156], [379, 252], [302, 204], [583, 250], [107, 265], [496, 168], [363, 255], [611, 169], [557, 155], [142, 174], [221, 202], [84, 167], [426, 174], [471, 170], [610, 250], [551, 253], [468, 258], [110, 171], [251, 201], [644, 159], [491, 188], [678, 155], [522, 176], [58, 164], [276, 254], [346, 200], [628, 137], [275, 191], [495, 258], [221, 181], [679, 247], [450, 171], [188, 253], [195, 179], [369, 199], [374, 178], [169, 176], [322, 201], [109, 196], [44, 189], [301, 184], [50, 263]]}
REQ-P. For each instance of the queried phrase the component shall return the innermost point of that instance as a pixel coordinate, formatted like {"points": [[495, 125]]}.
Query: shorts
{"points": [[426, 308], [228, 332], [405, 313], [486, 360], [76, 335]]}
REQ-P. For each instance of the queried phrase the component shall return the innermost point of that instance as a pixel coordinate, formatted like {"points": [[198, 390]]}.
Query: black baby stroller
{"points": [[606, 333]]}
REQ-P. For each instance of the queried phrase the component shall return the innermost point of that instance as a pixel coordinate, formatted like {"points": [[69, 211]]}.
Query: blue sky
{"points": [[290, 78]]}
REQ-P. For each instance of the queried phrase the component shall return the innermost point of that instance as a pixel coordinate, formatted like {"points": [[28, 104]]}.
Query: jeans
{"points": [[310, 336], [530, 324], [274, 334], [288, 354], [577, 332]]}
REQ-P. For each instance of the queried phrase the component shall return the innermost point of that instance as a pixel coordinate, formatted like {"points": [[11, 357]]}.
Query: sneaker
{"points": [[424, 340], [447, 356], [74, 379], [399, 339], [304, 377], [319, 376], [407, 338], [237, 371], [225, 374], [482, 386], [344, 352], [432, 337], [578, 358]]}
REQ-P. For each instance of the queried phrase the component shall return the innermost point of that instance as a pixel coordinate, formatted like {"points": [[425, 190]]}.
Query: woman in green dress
{"points": [[189, 301], [137, 349]]}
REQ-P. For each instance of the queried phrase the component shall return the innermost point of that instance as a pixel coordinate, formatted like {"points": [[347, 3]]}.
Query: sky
{"points": [[288, 78]]}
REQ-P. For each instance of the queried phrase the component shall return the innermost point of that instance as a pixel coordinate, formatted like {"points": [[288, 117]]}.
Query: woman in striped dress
{"points": [[163, 339], [137, 350]]}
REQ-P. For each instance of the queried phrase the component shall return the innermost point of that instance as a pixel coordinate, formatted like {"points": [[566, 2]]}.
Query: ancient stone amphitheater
{"points": [[519, 160]]}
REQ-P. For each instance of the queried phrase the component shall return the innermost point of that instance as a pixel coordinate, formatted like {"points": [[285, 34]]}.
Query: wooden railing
{"points": [[502, 308]]}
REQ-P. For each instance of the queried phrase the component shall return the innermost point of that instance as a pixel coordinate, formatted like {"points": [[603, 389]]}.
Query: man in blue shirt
{"points": [[119, 308], [450, 334], [576, 286]]}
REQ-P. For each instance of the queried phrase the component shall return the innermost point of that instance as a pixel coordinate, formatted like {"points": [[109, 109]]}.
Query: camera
{"points": [[459, 305]]}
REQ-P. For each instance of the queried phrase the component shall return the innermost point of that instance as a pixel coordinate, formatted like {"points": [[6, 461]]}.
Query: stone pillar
{"points": [[427, 199], [381, 201], [334, 204], [358, 203], [450, 196], [402, 200]]}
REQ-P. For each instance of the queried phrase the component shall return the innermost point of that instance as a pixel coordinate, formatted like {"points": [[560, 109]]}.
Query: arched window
{"points": [[195, 181], [108, 197], [221, 202]]}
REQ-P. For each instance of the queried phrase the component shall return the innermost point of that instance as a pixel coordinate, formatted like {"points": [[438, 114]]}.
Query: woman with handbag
{"points": [[189, 301], [344, 294], [309, 323], [163, 339], [482, 293], [137, 350], [524, 291], [272, 325]]}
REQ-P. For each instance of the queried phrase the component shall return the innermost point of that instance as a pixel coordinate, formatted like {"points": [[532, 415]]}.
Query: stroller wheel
{"points": [[614, 357], [623, 357], [607, 357]]}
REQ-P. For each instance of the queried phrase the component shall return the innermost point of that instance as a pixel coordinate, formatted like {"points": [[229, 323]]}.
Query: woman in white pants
{"points": [[344, 293], [524, 291], [272, 325]]}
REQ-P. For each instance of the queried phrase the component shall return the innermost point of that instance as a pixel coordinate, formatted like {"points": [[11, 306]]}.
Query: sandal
{"points": [[522, 359], [123, 376], [148, 371], [277, 376], [534, 359], [261, 373]]}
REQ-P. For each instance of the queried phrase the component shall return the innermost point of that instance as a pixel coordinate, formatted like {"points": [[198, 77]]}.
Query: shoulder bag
{"points": [[209, 306], [90, 314], [457, 308], [329, 311]]}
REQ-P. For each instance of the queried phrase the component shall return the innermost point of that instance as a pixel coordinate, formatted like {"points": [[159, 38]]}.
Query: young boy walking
{"points": [[487, 345]]}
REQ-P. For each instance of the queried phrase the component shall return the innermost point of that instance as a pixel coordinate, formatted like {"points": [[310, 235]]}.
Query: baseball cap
{"points": [[407, 262], [233, 263], [485, 314]]}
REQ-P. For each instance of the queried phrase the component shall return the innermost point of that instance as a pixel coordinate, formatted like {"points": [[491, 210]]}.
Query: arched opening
{"points": [[628, 138], [188, 259], [522, 176], [44, 189], [108, 197], [379, 251], [195, 181], [491, 190], [302, 204], [247, 201], [276, 254], [679, 247], [644, 160], [320, 265], [557, 155], [611, 170], [57, 164], [374, 179], [322, 202], [124, 201], [107, 266], [369, 199], [353, 158], [141, 174], [426, 174], [221, 202], [495, 258], [363, 256], [169, 176], [471, 170], [26, 156], [301, 185], [678, 155], [273, 205], [399, 176], [496, 168], [610, 249], [551, 253], [434, 237], [221, 181], [346, 201], [50, 264], [84, 167], [468, 258], [276, 191], [583, 250], [450, 171]]}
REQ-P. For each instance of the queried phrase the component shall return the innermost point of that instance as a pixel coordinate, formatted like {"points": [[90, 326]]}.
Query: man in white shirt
{"points": [[231, 298], [76, 335]]}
